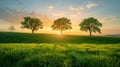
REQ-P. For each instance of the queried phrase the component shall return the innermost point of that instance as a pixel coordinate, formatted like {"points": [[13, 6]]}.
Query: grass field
{"points": [[43, 50], [7, 37]]}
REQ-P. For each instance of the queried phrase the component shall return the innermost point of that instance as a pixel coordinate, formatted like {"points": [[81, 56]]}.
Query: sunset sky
{"points": [[106, 11]]}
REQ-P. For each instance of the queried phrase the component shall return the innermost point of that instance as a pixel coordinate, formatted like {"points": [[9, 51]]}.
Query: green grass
{"points": [[43, 50], [7, 37], [59, 55]]}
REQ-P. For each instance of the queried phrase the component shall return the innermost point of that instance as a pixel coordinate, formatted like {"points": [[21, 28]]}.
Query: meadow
{"points": [[47, 50]]}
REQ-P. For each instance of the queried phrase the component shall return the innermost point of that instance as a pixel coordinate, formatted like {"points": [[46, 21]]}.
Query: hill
{"points": [[8, 37], [115, 35]]}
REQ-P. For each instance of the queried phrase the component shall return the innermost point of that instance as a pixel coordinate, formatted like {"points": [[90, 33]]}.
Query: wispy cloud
{"points": [[15, 17], [20, 1], [90, 5], [76, 8], [59, 14], [75, 15], [70, 15], [109, 18], [50, 7], [81, 8]]}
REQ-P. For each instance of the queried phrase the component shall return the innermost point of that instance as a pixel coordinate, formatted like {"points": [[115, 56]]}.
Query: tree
{"points": [[32, 23], [11, 28], [61, 24], [90, 24]]}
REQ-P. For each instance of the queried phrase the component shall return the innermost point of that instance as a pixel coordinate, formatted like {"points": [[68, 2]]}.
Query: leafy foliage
{"points": [[61, 24], [90, 24], [32, 23]]}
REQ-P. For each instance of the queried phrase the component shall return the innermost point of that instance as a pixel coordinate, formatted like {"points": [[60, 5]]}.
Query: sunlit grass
{"points": [[62, 55], [45, 50]]}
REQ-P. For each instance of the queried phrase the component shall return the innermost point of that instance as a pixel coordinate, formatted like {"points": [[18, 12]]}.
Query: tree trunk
{"points": [[32, 31], [90, 33]]}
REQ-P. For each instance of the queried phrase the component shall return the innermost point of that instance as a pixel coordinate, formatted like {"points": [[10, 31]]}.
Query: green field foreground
{"points": [[45, 50], [59, 55]]}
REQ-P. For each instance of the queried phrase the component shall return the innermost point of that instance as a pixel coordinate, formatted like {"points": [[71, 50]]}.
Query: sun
{"points": [[58, 33]]}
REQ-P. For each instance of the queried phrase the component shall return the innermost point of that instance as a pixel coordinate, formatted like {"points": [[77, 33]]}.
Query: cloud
{"points": [[16, 16], [50, 7], [81, 8], [59, 14], [73, 8], [109, 18], [67, 14], [20, 1], [75, 15], [90, 5]]}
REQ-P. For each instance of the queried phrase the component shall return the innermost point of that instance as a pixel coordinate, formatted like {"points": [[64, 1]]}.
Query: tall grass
{"points": [[59, 55]]}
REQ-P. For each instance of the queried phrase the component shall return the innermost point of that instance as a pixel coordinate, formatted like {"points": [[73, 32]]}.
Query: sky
{"points": [[106, 11]]}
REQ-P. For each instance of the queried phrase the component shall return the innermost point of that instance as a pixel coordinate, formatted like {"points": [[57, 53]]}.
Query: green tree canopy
{"points": [[90, 24], [32, 23], [61, 24]]}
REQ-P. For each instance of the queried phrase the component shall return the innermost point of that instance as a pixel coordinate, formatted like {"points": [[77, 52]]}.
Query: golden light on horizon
{"points": [[58, 33]]}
